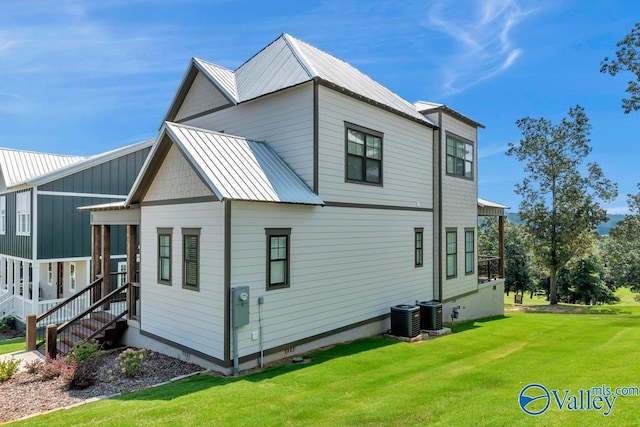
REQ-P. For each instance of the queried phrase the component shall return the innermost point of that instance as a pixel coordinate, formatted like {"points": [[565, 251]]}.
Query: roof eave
{"points": [[454, 113], [423, 121]]}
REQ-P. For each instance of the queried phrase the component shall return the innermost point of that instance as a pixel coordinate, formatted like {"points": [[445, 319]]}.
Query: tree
{"points": [[627, 59], [517, 266], [623, 248], [583, 280], [559, 204]]}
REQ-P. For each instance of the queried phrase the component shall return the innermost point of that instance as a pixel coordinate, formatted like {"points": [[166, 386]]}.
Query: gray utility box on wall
{"points": [[430, 315], [405, 320], [239, 306]]}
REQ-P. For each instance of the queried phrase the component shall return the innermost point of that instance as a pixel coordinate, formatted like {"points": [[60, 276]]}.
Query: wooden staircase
{"points": [[110, 330], [88, 315]]}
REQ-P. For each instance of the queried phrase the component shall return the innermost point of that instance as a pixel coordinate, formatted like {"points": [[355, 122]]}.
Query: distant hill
{"points": [[603, 229]]}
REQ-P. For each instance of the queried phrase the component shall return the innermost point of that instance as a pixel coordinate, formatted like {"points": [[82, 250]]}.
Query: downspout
{"points": [[437, 170]]}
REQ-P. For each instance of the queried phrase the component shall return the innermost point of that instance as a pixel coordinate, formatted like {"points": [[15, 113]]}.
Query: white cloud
{"points": [[491, 150], [482, 32]]}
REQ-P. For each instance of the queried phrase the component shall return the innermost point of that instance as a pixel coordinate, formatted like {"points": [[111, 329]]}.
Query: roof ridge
{"points": [[291, 42]]}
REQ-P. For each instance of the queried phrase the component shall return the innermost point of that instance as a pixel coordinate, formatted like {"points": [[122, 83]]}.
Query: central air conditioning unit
{"points": [[405, 320], [430, 315]]}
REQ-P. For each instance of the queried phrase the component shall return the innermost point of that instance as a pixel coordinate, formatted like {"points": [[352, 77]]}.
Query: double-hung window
{"points": [[469, 252], [278, 265], [452, 253], [191, 258], [364, 155], [419, 247], [23, 213], [164, 255], [459, 157], [3, 214]]}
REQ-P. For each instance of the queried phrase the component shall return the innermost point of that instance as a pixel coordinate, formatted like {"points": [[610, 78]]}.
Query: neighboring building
{"points": [[45, 242], [336, 200]]}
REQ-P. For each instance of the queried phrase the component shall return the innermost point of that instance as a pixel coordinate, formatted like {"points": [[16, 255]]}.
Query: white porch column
{"points": [[35, 277], [3, 273], [16, 277]]}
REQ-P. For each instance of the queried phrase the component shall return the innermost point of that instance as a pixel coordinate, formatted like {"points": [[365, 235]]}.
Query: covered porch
{"points": [[491, 265]]}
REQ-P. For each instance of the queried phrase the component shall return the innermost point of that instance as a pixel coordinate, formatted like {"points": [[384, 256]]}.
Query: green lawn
{"points": [[9, 346], [472, 377]]}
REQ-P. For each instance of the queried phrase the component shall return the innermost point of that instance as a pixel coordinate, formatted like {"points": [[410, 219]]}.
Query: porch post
{"points": [[501, 246], [132, 234], [35, 284], [96, 248], [132, 237], [106, 259], [16, 277]]}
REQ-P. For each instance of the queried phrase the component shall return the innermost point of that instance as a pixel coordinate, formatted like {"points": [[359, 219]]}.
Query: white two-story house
{"points": [[318, 194]]}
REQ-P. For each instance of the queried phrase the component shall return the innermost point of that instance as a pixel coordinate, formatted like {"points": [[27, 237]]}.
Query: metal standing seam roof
{"points": [[18, 166], [236, 168], [427, 107], [489, 204], [88, 162], [287, 62]]}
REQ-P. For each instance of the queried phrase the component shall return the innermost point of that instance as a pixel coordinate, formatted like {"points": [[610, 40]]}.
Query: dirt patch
{"points": [[10, 334], [557, 308]]}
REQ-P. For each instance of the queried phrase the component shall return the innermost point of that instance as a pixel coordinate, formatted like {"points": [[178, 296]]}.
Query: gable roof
{"points": [[88, 162], [234, 168], [19, 166], [426, 107], [287, 62]]}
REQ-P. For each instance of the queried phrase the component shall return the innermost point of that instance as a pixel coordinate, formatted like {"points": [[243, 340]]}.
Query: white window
{"points": [[122, 277], [50, 274], [23, 213], [72, 277], [3, 214]]}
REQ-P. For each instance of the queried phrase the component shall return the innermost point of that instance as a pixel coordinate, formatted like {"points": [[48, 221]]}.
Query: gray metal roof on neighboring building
{"points": [[287, 62], [234, 168], [19, 166], [87, 162]]}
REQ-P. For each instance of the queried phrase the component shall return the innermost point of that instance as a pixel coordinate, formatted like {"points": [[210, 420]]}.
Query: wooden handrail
{"points": [[93, 307], [106, 325], [95, 283]]}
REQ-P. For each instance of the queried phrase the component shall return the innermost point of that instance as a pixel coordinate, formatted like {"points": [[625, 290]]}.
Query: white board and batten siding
{"points": [[284, 120], [459, 210], [348, 265], [191, 318], [407, 154]]}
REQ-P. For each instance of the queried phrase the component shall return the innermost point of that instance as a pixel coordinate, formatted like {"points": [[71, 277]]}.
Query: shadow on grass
{"points": [[207, 381], [574, 309], [474, 324]]}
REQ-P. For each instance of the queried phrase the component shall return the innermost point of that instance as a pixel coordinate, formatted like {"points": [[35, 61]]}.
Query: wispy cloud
{"points": [[482, 31], [491, 150]]}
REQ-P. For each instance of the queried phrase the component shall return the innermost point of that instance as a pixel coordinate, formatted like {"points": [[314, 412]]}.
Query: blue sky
{"points": [[82, 77]]}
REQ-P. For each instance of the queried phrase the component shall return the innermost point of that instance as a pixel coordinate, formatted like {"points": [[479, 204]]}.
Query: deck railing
{"points": [[67, 310], [488, 268], [113, 303]]}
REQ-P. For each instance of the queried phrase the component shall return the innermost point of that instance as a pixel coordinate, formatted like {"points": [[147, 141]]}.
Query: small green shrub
{"points": [[83, 351], [130, 363], [84, 376], [8, 368]]}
